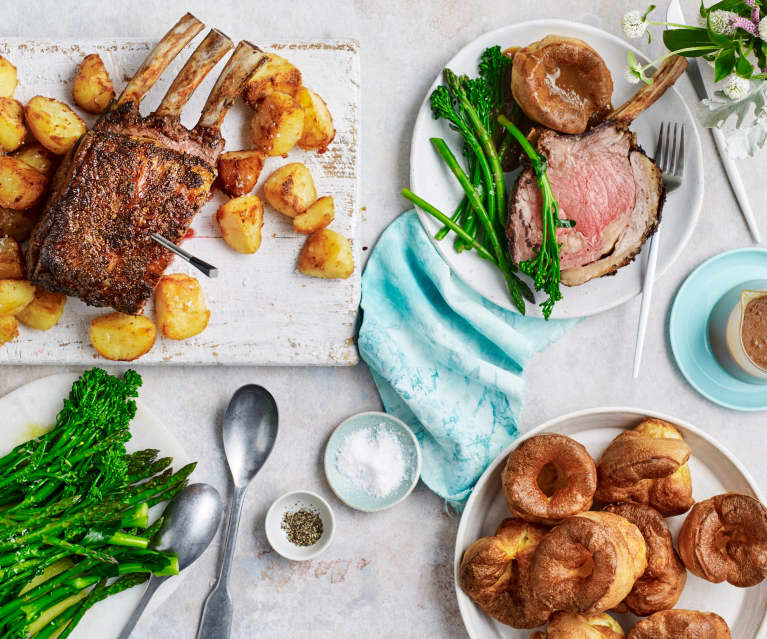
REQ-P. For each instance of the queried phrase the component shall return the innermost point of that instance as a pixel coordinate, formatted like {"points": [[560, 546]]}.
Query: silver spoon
{"points": [[249, 432], [191, 522]]}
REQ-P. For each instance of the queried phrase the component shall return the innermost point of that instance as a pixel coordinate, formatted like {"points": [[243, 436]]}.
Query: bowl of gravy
{"points": [[738, 331]]}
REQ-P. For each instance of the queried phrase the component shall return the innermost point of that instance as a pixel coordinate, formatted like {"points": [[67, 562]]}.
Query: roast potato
{"points": [[290, 189], [326, 254], [92, 89], [316, 217], [12, 129], [54, 124], [276, 74], [21, 186], [16, 224], [38, 157], [277, 124], [239, 171], [241, 220], [318, 130], [9, 328], [44, 311], [11, 260], [15, 295], [179, 306], [8, 79], [121, 337]]}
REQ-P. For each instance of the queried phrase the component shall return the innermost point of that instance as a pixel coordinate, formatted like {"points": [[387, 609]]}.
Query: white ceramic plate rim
{"points": [[675, 347], [424, 116], [416, 474], [464, 603]]}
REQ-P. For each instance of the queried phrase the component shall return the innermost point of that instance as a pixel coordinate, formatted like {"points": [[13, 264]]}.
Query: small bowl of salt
{"points": [[372, 461]]}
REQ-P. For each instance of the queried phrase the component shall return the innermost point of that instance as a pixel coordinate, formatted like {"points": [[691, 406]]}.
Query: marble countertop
{"points": [[389, 574]]}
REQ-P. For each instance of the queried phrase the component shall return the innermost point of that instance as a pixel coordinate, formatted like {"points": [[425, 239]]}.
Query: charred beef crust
{"points": [[93, 241], [204, 143]]}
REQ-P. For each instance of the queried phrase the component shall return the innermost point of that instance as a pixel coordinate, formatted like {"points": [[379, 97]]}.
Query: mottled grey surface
{"points": [[388, 575]]}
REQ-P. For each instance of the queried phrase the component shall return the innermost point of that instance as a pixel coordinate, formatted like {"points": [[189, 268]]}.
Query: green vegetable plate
{"points": [[30, 411], [433, 179], [688, 328], [350, 487]]}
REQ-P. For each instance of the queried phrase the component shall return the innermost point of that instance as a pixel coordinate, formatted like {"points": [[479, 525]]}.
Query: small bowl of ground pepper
{"points": [[300, 525]]}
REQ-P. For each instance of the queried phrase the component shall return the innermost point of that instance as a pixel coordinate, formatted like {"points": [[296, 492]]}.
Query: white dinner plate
{"points": [[714, 471], [431, 180], [29, 411]]}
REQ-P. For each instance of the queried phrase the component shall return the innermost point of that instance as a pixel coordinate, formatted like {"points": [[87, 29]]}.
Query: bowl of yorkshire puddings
{"points": [[613, 523]]}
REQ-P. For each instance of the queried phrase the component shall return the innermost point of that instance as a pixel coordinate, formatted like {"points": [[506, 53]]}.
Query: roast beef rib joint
{"points": [[131, 176], [604, 182]]}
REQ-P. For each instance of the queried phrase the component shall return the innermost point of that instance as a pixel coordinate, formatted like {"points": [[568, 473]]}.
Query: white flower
{"points": [[736, 88], [630, 75], [634, 24], [763, 29], [722, 22]]}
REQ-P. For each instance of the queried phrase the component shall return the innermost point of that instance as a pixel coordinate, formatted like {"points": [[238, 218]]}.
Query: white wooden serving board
{"points": [[263, 311]]}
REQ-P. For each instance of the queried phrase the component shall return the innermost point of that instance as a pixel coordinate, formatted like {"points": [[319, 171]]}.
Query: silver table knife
{"points": [[674, 14]]}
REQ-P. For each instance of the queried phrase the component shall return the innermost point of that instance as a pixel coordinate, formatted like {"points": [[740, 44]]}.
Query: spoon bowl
{"points": [[190, 522], [249, 431]]}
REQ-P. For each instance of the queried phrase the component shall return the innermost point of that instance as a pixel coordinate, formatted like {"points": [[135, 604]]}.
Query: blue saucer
{"points": [[345, 489], [688, 328]]}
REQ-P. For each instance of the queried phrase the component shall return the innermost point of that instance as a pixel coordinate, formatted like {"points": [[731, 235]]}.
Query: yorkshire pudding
{"points": [[681, 624], [495, 573], [647, 465], [661, 585], [725, 539], [561, 83], [588, 563], [571, 625], [549, 478]]}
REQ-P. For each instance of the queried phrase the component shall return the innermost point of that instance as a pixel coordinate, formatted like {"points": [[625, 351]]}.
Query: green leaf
{"points": [[678, 39], [743, 66], [724, 65], [738, 6]]}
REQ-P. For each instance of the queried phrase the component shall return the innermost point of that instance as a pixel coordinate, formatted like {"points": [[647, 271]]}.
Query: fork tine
{"points": [[673, 160], [659, 147], [666, 156], [680, 160]]}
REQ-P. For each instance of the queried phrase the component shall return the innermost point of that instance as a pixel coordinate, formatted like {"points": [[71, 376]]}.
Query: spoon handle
{"points": [[154, 583], [216, 622]]}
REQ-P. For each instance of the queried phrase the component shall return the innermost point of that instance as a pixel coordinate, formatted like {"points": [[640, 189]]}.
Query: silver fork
{"points": [[669, 156]]}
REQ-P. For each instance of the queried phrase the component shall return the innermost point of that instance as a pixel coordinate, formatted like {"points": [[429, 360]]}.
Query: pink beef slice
{"points": [[602, 181]]}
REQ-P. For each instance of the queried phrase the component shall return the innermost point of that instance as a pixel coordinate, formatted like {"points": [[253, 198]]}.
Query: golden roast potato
{"points": [[21, 186], [92, 89], [54, 124], [277, 124], [38, 157], [11, 260], [44, 311], [316, 217], [121, 337], [15, 295], [328, 255], [8, 78], [290, 189], [179, 306], [241, 220], [276, 74], [238, 171], [12, 129], [318, 130], [9, 328]]}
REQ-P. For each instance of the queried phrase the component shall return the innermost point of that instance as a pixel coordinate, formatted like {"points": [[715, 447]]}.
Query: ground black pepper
{"points": [[303, 527]]}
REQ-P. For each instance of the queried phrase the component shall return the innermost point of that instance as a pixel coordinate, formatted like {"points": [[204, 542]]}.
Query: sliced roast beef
{"points": [[602, 181]]}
